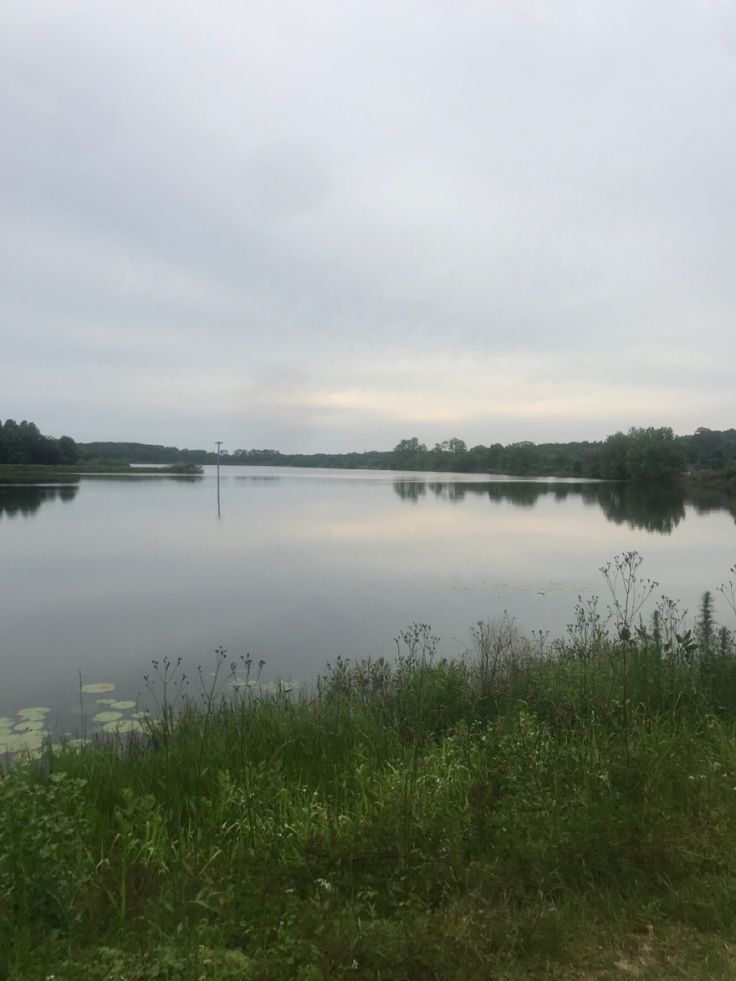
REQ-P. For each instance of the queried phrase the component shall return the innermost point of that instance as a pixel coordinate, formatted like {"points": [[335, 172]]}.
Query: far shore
{"points": [[11, 471], [713, 481]]}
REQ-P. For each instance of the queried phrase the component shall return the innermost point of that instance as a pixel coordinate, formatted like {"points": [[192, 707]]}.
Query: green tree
{"points": [[68, 450], [613, 457], [409, 446], [408, 454], [457, 446], [653, 454], [521, 458]]}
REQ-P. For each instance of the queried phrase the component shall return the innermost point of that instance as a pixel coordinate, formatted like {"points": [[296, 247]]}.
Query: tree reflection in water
{"points": [[655, 508], [25, 499]]}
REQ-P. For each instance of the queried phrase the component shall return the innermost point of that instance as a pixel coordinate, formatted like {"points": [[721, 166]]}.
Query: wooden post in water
{"points": [[219, 444]]}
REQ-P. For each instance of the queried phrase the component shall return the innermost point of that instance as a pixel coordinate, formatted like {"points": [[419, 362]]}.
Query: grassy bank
{"points": [[561, 810], [37, 471]]}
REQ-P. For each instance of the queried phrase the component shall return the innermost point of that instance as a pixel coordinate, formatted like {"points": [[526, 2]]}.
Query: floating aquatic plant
{"points": [[30, 725], [36, 712], [22, 742], [98, 687], [107, 716]]}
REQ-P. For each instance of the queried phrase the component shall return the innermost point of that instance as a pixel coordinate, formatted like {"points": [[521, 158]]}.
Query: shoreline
{"points": [[520, 813], [8, 471]]}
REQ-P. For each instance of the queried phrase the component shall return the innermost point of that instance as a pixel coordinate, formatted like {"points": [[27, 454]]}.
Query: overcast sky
{"points": [[332, 225]]}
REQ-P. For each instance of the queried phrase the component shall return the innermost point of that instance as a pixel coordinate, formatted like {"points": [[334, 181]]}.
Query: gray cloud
{"points": [[332, 226]]}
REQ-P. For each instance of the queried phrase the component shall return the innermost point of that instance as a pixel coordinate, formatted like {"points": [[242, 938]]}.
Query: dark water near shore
{"points": [[103, 574]]}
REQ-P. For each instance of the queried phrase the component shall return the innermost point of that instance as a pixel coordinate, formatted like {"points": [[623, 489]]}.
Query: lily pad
{"points": [[98, 687], [122, 705], [30, 725], [22, 742], [107, 716], [33, 713], [105, 701]]}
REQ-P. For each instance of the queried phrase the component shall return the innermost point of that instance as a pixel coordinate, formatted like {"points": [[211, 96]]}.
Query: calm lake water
{"points": [[103, 574]]}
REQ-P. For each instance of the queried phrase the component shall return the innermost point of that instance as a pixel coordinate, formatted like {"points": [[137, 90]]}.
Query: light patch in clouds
{"points": [[333, 226]]}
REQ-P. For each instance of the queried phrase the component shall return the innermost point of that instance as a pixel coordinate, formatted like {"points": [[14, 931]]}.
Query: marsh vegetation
{"points": [[528, 807]]}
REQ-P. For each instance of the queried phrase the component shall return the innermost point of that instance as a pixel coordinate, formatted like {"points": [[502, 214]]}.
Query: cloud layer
{"points": [[333, 225]]}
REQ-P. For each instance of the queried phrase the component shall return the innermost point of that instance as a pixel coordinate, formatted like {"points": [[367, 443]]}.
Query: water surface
{"points": [[103, 574]]}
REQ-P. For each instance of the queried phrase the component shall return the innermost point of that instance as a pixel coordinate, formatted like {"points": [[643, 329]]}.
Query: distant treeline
{"points": [[23, 443], [640, 454], [149, 453]]}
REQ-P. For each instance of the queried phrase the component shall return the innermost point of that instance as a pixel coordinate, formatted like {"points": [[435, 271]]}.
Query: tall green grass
{"points": [[531, 806]]}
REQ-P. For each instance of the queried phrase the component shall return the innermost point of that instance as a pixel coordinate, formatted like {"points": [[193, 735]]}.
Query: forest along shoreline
{"points": [[650, 454], [641, 454]]}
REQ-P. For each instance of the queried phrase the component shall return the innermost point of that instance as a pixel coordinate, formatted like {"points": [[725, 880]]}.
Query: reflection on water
{"points": [[253, 478], [25, 499], [651, 507], [309, 565], [657, 509]]}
